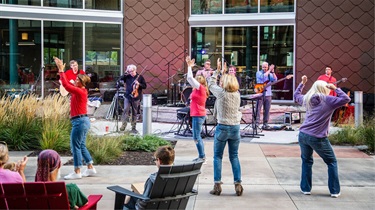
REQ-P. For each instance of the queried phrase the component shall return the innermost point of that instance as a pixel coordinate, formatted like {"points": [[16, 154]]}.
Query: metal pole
{"points": [[147, 114], [358, 108]]}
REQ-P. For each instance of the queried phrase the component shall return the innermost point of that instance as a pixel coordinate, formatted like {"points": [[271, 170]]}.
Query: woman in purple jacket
{"points": [[314, 131]]}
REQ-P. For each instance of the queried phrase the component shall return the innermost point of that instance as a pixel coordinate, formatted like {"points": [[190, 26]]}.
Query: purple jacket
{"points": [[317, 119]]}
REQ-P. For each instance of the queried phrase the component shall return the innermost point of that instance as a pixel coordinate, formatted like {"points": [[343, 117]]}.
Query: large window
{"points": [[79, 4], [240, 6], [240, 46], [276, 47], [20, 54], [103, 54]]}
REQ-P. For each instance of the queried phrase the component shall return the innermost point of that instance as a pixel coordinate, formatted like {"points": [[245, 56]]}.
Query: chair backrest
{"points": [[34, 195], [171, 185]]}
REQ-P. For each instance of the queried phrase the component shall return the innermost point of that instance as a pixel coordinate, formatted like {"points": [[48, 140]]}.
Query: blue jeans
{"points": [[323, 148], [197, 129], [80, 128], [224, 134], [264, 101]]}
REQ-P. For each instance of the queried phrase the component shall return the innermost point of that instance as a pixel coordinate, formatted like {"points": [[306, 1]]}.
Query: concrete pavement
{"points": [[270, 172]]}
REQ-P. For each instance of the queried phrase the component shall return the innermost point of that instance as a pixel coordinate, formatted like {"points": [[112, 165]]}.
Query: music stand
{"points": [[254, 126], [169, 64]]}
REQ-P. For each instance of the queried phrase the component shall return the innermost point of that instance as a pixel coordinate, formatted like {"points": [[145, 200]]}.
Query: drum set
{"points": [[183, 91]]}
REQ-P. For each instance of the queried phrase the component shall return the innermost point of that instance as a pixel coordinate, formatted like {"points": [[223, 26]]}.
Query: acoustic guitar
{"points": [[259, 88]]}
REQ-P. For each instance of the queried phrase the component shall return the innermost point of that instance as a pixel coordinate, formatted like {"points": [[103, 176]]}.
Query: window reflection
{"points": [[63, 3], [206, 44], [276, 6], [63, 40], [241, 6], [22, 2], [240, 47], [240, 50], [103, 4], [20, 55], [206, 7], [276, 47], [103, 53]]}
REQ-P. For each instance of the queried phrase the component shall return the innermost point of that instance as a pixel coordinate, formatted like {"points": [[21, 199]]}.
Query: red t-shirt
{"points": [[78, 100], [71, 76], [328, 79], [198, 102]]}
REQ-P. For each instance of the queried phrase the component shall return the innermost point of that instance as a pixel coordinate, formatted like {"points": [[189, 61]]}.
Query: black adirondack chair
{"points": [[172, 188]]}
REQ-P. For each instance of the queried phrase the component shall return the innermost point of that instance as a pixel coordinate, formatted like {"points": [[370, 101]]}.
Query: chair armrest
{"points": [[120, 196], [123, 191], [92, 203]]}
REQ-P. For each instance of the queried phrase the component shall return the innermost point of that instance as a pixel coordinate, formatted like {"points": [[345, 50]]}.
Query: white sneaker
{"points": [[306, 193], [335, 195], [200, 160], [73, 175], [89, 172]]}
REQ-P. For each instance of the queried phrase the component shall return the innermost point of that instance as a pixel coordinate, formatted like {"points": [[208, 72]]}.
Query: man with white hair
{"points": [[134, 84], [263, 76]]}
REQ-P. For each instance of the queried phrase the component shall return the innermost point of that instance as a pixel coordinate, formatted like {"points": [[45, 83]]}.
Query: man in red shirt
{"points": [[72, 73], [329, 79], [71, 76]]}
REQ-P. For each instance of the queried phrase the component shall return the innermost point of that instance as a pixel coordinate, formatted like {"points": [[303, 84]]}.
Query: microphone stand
{"points": [[169, 64]]}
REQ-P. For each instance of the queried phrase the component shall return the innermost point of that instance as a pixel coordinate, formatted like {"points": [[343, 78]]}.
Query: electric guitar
{"points": [[259, 88], [344, 79]]}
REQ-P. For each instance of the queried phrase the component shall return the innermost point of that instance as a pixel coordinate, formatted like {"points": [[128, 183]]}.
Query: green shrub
{"points": [[364, 134], [148, 143], [104, 149]]}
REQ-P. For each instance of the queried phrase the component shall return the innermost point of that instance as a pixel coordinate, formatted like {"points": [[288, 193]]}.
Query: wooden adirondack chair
{"points": [[172, 188], [39, 195]]}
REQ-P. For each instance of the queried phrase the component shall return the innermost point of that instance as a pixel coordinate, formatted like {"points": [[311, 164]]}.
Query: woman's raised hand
{"points": [[304, 79], [60, 65], [190, 62]]}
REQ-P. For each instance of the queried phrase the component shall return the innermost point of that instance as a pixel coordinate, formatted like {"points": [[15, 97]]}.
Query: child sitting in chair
{"points": [[163, 156]]}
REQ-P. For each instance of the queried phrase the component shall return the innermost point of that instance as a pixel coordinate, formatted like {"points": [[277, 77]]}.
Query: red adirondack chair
{"points": [[39, 195]]}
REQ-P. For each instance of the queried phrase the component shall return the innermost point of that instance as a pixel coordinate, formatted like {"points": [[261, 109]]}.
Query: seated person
{"points": [[48, 170], [9, 176], [163, 156]]}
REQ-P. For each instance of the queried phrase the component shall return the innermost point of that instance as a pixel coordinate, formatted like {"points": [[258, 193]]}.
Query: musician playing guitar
{"points": [[266, 74], [329, 79], [134, 84], [71, 75]]}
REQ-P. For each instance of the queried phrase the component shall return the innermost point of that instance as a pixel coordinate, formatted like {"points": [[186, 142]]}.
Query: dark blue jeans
{"points": [[323, 148], [80, 128], [224, 134], [197, 129]]}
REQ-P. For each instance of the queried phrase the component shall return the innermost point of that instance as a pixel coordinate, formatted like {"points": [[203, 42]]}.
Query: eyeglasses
{"points": [[154, 159]]}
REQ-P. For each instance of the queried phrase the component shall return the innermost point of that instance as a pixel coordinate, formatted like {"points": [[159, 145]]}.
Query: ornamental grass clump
{"points": [[19, 125], [104, 149], [56, 127]]}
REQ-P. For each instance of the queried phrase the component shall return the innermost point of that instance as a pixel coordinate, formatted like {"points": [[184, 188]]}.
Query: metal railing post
{"points": [[147, 114], [358, 108]]}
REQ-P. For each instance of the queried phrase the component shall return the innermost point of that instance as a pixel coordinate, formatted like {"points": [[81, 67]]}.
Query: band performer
{"points": [[72, 73], [314, 130], [197, 106], [327, 77], [80, 122], [265, 75], [207, 70], [134, 84]]}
